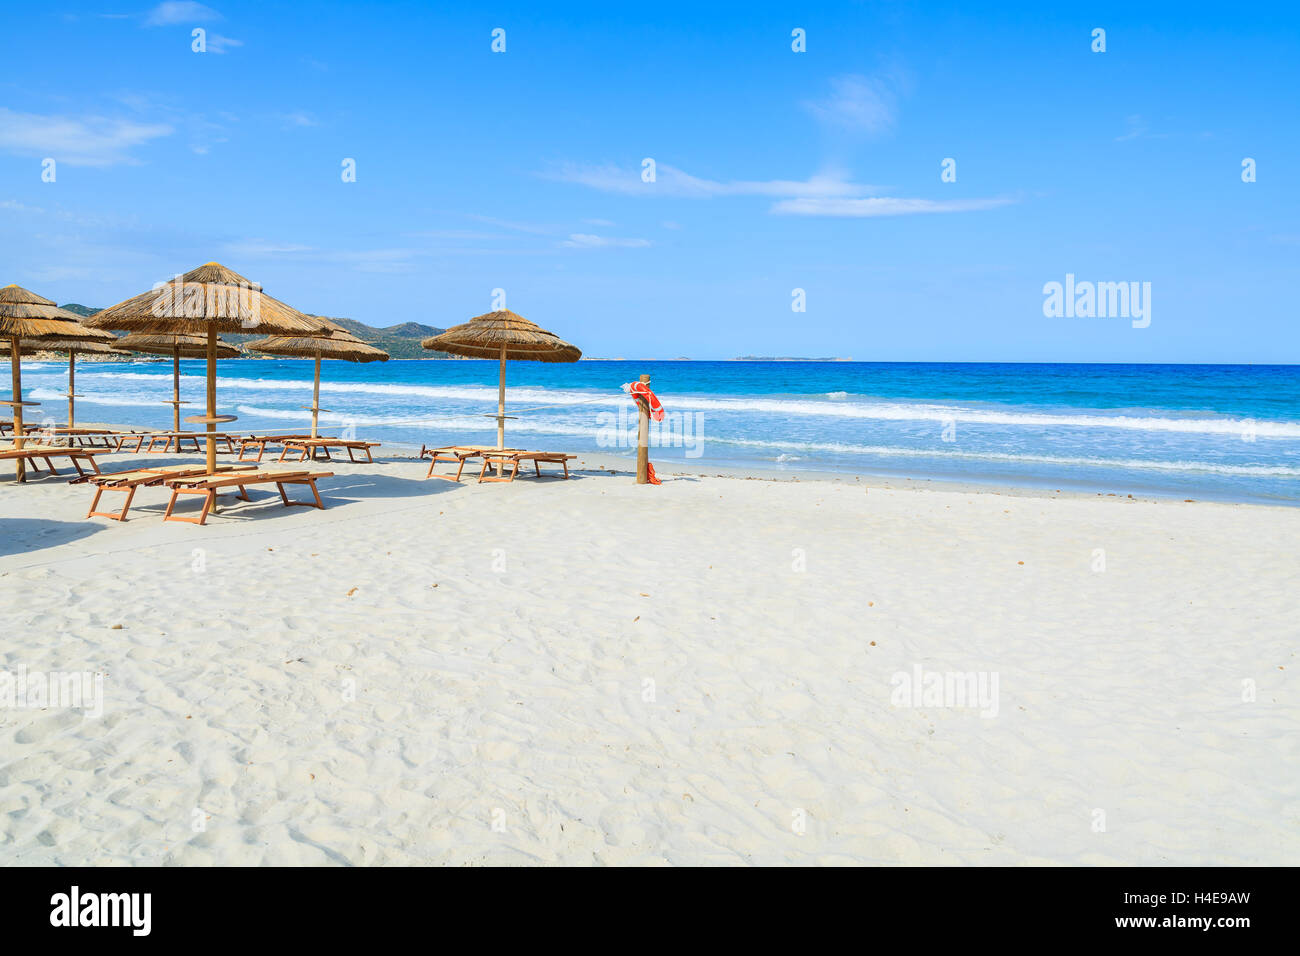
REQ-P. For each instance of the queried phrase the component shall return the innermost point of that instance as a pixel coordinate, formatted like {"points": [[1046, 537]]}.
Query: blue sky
{"points": [[776, 170]]}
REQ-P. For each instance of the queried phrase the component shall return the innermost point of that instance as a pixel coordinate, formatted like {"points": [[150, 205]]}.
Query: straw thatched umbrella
{"points": [[503, 335], [26, 315], [177, 345], [206, 301], [96, 346], [342, 344]]}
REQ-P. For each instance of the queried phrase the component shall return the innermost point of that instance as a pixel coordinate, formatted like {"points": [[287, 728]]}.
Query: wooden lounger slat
{"points": [[514, 459], [207, 486], [129, 481], [458, 454], [29, 454]]}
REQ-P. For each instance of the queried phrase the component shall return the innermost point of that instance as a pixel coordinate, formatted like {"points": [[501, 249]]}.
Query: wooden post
{"points": [[20, 469], [501, 402], [315, 399], [176, 386], [501, 410], [643, 439], [72, 386], [212, 400]]}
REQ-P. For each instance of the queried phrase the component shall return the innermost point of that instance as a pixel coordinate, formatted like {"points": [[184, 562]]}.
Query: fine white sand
{"points": [[595, 672]]}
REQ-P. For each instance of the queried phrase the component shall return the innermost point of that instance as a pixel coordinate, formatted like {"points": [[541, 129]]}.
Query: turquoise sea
{"points": [[1195, 431]]}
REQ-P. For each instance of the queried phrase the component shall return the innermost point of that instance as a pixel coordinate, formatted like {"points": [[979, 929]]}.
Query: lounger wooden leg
{"points": [[50, 465], [171, 504], [310, 483], [243, 493], [565, 463], [126, 505], [283, 451], [460, 468], [209, 504], [115, 515], [537, 467]]}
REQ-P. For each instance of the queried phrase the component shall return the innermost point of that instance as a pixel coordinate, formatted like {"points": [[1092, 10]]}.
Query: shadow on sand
{"points": [[25, 535], [337, 492]]}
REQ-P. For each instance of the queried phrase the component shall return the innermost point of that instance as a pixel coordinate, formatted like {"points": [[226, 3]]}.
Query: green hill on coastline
{"points": [[400, 341]]}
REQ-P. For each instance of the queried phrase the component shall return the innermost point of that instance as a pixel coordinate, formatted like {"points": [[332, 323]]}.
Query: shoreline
{"points": [[1045, 488]]}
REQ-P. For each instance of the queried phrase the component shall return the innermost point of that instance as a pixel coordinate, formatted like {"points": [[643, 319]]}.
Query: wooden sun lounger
{"points": [[311, 445], [29, 454], [458, 455], [167, 438], [207, 486], [260, 442], [513, 459], [129, 481], [82, 437]]}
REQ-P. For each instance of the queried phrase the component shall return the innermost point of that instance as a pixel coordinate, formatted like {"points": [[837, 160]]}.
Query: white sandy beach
{"points": [[382, 682]]}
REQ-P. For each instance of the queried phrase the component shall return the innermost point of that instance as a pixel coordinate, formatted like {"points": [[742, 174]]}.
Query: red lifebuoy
{"points": [[641, 392]]}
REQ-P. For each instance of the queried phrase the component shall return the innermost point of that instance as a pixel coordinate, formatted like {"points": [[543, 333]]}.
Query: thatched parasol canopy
{"points": [[485, 335], [26, 315], [82, 346], [341, 344], [205, 301], [503, 335], [210, 298], [186, 346]]}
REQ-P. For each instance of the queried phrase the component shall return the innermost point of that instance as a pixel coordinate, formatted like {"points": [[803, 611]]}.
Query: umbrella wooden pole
{"points": [[315, 398], [501, 410], [501, 402], [72, 387], [176, 388], [643, 439], [212, 400], [20, 467]]}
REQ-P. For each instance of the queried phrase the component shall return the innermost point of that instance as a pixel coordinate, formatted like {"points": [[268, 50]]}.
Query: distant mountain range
{"points": [[401, 341]]}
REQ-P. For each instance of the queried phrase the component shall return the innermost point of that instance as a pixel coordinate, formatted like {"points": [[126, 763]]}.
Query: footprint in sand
{"points": [[42, 727]]}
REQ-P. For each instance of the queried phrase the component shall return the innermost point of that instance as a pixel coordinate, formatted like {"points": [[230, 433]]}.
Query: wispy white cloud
{"points": [[220, 44], [580, 240], [674, 182], [1135, 126], [396, 260], [881, 206], [179, 11], [857, 103], [77, 141], [263, 247], [298, 118]]}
